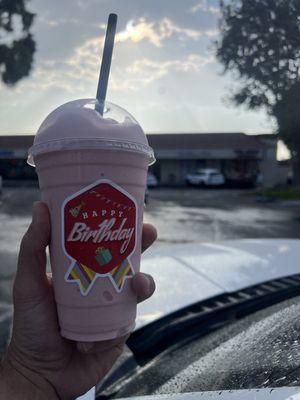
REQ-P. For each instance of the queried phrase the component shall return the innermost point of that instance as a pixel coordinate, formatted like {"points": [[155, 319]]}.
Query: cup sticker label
{"points": [[99, 235]]}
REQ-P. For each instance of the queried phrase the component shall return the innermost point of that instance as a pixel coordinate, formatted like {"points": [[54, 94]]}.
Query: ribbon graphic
{"points": [[86, 277]]}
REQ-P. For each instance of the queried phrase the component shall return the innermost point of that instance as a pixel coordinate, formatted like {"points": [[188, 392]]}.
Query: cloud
{"points": [[16, 33], [143, 72], [283, 152], [83, 4], [204, 7], [148, 70], [79, 72], [157, 32], [53, 23]]}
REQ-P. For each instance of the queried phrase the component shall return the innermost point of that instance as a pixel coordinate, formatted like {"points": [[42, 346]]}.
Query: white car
{"points": [[151, 180], [223, 324], [206, 177]]}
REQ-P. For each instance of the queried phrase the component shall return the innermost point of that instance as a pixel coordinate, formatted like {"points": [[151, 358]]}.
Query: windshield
{"points": [[259, 351], [211, 89], [266, 354]]}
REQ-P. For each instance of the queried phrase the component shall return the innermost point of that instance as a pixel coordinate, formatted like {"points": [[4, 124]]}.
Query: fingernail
{"points": [[148, 285]]}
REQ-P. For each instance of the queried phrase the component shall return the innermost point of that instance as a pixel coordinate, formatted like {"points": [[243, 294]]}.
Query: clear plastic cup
{"points": [[92, 172]]}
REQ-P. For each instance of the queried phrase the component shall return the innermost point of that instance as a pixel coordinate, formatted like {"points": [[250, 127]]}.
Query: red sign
{"points": [[100, 226]]}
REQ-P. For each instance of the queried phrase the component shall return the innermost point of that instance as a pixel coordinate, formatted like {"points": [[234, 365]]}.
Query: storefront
{"points": [[13, 158], [231, 153], [234, 154]]}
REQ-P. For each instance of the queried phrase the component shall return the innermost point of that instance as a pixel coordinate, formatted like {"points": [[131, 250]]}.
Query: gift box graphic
{"points": [[103, 256], [102, 238]]}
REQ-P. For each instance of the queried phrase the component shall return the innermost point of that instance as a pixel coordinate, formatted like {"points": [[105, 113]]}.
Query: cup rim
{"points": [[88, 144]]}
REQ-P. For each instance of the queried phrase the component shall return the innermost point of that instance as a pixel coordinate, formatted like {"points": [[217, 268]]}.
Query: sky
{"points": [[164, 71]]}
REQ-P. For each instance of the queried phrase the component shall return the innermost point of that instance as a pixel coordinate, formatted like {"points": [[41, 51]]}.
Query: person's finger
{"points": [[143, 286], [149, 236], [98, 347], [31, 280]]}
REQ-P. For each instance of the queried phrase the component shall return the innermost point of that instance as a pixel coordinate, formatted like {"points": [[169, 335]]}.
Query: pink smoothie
{"points": [[78, 154]]}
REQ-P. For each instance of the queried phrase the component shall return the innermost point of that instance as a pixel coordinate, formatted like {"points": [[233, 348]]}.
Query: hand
{"points": [[49, 365]]}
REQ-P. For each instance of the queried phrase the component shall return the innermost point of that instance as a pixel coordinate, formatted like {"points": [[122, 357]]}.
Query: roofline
{"points": [[195, 133], [213, 133], [169, 133], [17, 135]]}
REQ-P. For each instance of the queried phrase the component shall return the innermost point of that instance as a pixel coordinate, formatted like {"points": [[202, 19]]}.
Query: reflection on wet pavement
{"points": [[212, 215], [15, 216], [180, 215]]}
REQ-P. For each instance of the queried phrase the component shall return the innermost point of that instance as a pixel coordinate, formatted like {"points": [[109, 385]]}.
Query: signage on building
{"points": [[249, 154], [6, 153], [13, 154], [203, 154]]}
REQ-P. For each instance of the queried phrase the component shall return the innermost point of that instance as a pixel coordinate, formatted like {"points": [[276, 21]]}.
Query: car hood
{"points": [[284, 393], [190, 273]]}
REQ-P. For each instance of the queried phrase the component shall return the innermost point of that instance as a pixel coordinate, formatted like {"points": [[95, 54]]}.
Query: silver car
{"points": [[206, 177], [223, 324]]}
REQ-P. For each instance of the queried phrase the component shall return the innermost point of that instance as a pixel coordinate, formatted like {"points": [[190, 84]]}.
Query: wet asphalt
{"points": [[209, 215], [180, 215]]}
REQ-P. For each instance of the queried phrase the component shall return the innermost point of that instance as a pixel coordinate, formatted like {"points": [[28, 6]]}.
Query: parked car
{"points": [[242, 180], [206, 177], [223, 324], [151, 180]]}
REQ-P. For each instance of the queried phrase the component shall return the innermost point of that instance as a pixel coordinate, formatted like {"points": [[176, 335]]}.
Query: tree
{"points": [[16, 53], [260, 43]]}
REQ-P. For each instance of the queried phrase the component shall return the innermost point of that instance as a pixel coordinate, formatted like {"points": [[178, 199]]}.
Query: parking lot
{"points": [[193, 215], [180, 215]]}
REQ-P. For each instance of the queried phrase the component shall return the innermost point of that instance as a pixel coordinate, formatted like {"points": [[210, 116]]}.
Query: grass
{"points": [[280, 193]]}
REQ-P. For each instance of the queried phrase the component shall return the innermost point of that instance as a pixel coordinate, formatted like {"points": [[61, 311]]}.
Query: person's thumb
{"points": [[31, 281]]}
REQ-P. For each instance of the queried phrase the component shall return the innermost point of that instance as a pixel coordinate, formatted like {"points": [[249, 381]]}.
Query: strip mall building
{"points": [[177, 155]]}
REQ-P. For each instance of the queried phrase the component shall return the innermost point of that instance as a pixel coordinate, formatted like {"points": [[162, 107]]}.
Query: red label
{"points": [[100, 226]]}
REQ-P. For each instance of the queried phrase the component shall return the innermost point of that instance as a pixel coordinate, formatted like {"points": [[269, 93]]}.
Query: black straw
{"points": [[106, 60]]}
